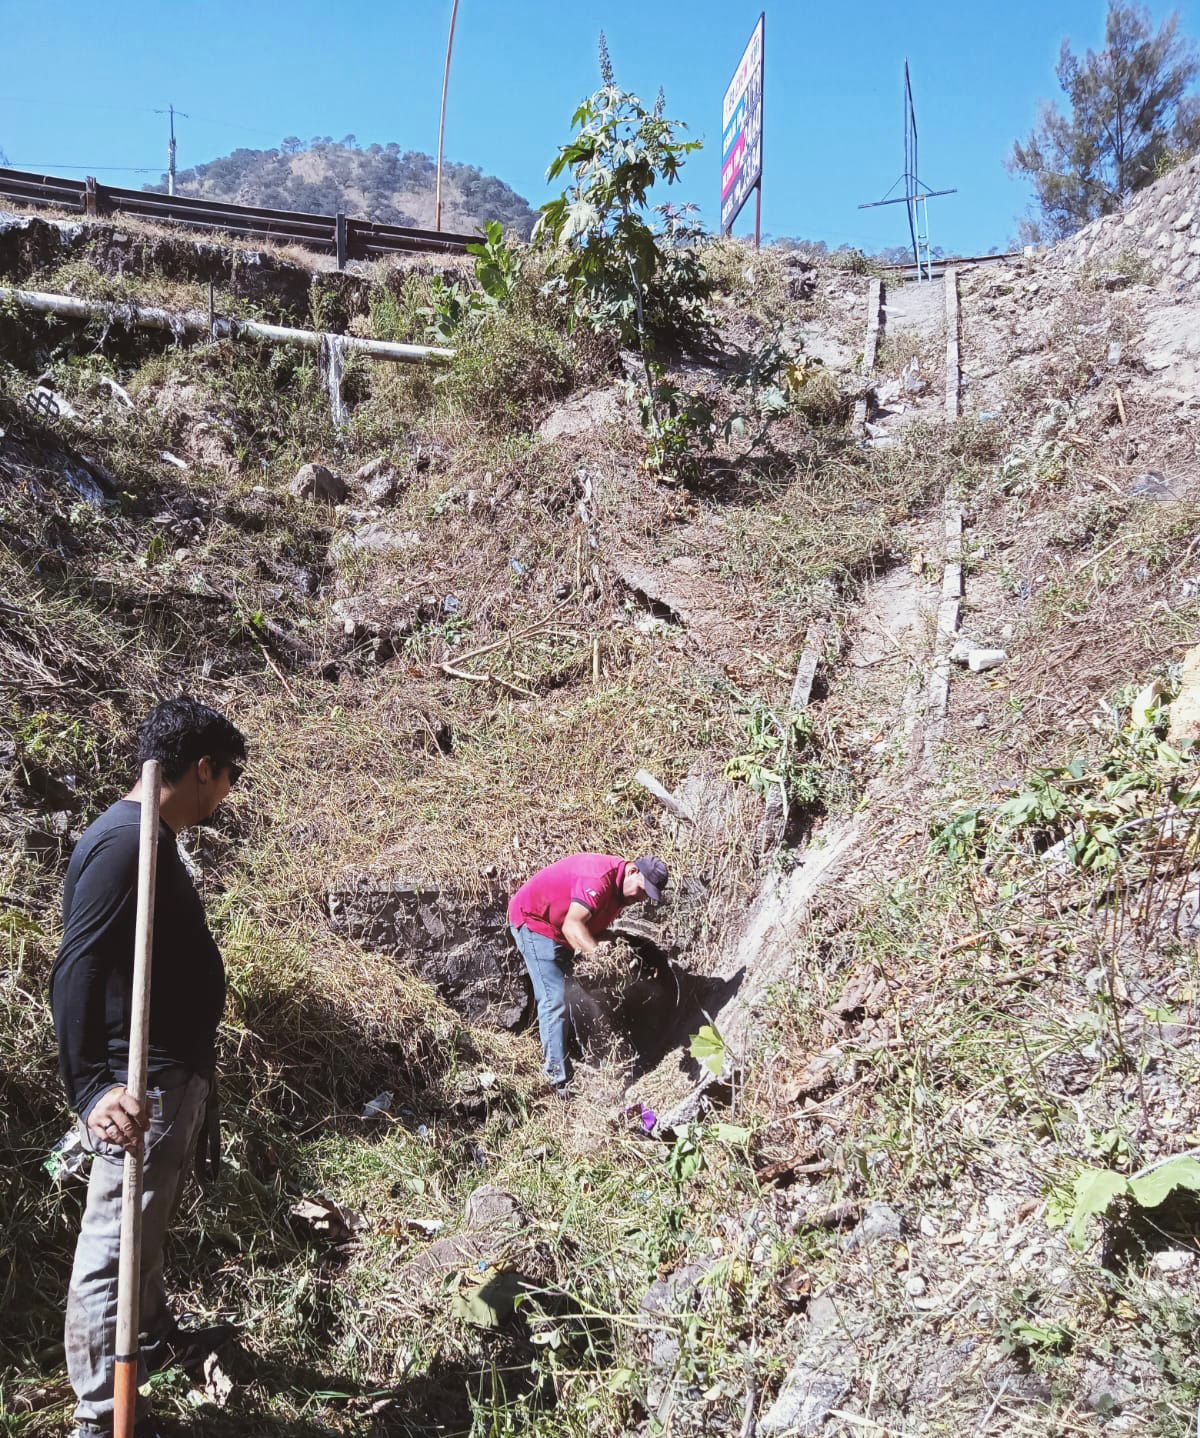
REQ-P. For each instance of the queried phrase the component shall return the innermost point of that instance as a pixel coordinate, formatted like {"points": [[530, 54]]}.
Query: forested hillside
{"points": [[377, 182]]}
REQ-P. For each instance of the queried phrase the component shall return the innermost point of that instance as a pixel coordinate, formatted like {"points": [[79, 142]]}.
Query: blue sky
{"points": [[252, 72]]}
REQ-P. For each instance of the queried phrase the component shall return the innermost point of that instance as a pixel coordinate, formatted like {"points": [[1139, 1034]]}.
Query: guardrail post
{"points": [[90, 203], [341, 239]]}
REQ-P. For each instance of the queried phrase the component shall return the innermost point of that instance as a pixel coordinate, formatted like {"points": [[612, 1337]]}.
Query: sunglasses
{"points": [[227, 766]]}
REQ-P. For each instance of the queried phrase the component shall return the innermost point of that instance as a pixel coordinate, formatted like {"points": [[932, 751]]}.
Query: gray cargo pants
{"points": [[176, 1115]]}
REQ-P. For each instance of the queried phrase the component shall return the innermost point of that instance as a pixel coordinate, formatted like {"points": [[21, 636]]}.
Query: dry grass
{"points": [[135, 224], [952, 1077]]}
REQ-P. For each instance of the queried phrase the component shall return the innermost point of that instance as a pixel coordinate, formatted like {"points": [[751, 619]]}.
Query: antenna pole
{"points": [[437, 204], [917, 193], [171, 111]]}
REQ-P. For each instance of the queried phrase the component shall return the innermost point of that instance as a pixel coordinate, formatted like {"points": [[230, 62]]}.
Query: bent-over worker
{"points": [[201, 754], [563, 910]]}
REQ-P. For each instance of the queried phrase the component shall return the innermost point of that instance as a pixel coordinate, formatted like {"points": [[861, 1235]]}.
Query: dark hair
{"points": [[181, 731]]}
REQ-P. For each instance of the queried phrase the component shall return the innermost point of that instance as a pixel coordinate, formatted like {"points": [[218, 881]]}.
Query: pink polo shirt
{"points": [[593, 880]]}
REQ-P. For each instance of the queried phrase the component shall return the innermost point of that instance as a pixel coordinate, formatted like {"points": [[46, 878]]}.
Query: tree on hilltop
{"points": [[1131, 118]]}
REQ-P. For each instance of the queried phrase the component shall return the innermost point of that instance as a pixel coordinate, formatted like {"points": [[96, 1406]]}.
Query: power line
{"points": [[48, 165], [227, 123], [76, 105]]}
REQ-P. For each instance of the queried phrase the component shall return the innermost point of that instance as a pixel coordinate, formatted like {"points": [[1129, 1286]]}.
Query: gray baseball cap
{"points": [[655, 873]]}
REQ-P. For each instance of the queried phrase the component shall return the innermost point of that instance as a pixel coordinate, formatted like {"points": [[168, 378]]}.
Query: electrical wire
{"points": [[226, 123], [46, 166]]}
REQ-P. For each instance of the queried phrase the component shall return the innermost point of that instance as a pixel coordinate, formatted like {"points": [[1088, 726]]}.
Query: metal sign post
{"points": [[741, 135]]}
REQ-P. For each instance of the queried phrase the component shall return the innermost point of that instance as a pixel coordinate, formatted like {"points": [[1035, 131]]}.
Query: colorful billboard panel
{"points": [[741, 130]]}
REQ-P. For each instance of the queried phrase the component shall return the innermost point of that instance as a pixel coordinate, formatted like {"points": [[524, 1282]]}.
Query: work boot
{"points": [[185, 1348]]}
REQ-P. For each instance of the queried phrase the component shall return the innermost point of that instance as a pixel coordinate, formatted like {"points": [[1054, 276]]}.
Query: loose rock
{"points": [[582, 415], [879, 1221], [376, 538], [379, 481], [321, 485], [1184, 729], [805, 1401], [1152, 486]]}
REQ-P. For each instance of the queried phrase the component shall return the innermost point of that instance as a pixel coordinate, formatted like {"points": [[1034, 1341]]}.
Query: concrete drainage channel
{"points": [[763, 954], [893, 309]]}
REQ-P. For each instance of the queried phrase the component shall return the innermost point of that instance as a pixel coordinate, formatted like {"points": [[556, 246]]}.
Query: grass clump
{"points": [[509, 369]]}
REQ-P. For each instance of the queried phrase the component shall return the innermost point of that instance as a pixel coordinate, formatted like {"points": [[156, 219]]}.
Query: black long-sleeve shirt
{"points": [[92, 980]]}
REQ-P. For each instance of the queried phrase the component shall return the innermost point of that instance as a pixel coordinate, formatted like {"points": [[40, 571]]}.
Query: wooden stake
{"points": [[130, 1271], [1121, 405], [596, 661]]}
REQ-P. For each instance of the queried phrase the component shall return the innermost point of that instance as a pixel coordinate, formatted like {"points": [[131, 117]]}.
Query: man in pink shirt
{"points": [[561, 911]]}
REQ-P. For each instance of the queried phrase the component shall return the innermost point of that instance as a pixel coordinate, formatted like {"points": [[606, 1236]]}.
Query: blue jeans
{"points": [[546, 961]]}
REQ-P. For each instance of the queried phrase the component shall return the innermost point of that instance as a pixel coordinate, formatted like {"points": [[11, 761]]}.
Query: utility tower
{"points": [[172, 111], [917, 193]]}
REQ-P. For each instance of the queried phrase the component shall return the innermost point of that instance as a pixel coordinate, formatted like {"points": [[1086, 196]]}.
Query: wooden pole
{"points": [[437, 207], [130, 1271]]}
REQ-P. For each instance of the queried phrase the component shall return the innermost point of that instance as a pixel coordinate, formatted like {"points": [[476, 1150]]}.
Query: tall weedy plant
{"points": [[612, 258]]}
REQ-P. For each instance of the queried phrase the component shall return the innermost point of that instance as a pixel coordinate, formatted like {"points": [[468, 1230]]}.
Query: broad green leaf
{"points": [[1095, 1189], [1152, 1188], [708, 1048], [488, 1304], [579, 218], [1048, 1336], [732, 1133]]}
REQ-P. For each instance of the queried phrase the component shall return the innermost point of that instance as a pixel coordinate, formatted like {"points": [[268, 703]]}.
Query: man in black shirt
{"points": [[201, 754]]}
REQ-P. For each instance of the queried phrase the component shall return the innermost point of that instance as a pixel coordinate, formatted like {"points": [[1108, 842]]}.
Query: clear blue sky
{"points": [[80, 82]]}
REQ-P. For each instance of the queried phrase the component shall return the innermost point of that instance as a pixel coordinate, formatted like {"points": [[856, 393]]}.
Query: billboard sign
{"points": [[741, 130]]}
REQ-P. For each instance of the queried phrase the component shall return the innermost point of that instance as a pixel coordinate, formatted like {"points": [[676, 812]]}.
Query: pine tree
{"points": [[1131, 117]]}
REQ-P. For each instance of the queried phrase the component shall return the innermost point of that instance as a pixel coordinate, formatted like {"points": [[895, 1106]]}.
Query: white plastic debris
{"points": [[980, 659], [427, 1226], [380, 1106], [66, 1158], [118, 392], [911, 379]]}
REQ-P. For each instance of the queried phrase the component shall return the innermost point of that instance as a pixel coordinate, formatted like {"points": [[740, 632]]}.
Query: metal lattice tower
{"points": [[917, 193]]}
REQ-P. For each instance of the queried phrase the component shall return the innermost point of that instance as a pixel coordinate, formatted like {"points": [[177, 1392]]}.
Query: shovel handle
{"points": [[125, 1372]]}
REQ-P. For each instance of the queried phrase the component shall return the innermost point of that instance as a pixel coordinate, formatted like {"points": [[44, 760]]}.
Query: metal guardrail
{"points": [[341, 235], [908, 271]]}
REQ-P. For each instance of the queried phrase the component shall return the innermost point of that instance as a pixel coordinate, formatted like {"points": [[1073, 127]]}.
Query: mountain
{"points": [[377, 182]]}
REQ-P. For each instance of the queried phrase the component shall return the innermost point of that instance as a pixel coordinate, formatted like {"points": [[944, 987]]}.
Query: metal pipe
{"points": [[437, 208], [146, 317]]}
